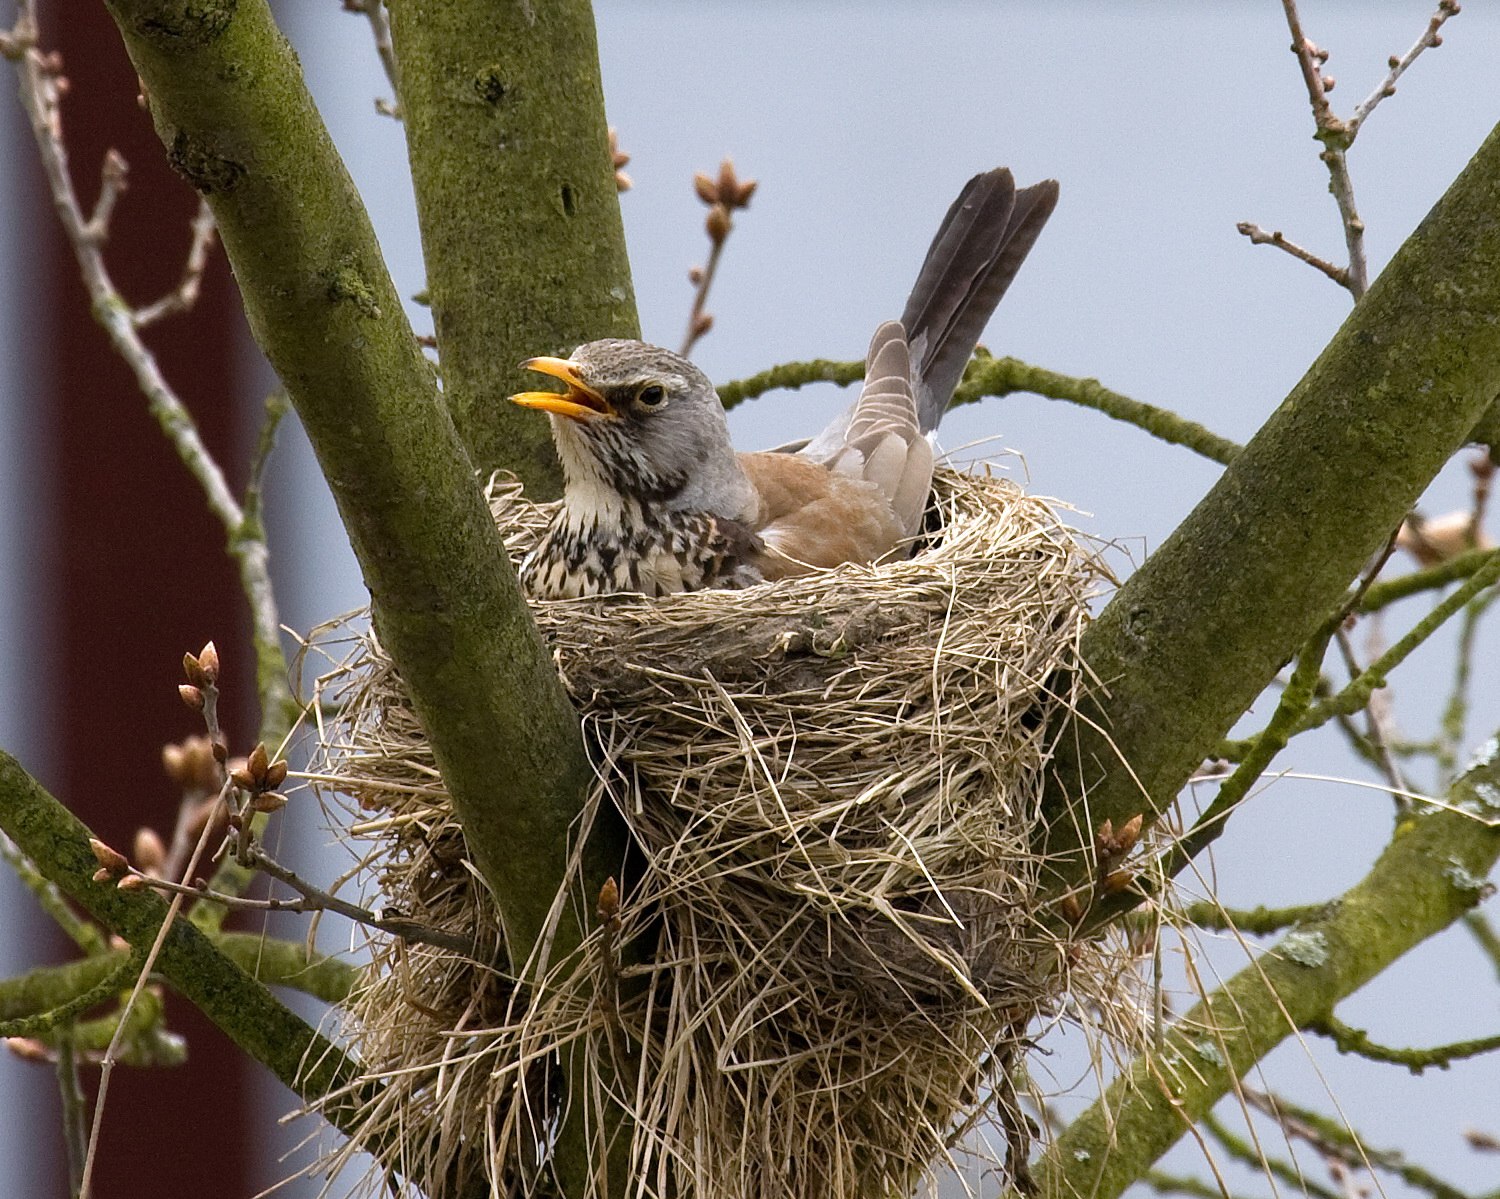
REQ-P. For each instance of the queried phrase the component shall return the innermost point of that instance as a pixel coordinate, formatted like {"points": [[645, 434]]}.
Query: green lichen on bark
{"points": [[322, 306], [521, 227], [1196, 634]]}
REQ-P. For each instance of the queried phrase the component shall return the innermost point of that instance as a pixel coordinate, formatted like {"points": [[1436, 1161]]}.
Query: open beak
{"points": [[579, 402]]}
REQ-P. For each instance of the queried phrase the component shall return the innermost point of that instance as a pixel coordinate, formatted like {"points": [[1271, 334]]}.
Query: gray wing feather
{"points": [[879, 439]]}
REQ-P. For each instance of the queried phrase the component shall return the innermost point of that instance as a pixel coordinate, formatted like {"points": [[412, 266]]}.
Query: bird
{"points": [[657, 501]]}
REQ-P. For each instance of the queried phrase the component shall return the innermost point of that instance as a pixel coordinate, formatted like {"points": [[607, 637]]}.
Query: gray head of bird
{"points": [[643, 422]]}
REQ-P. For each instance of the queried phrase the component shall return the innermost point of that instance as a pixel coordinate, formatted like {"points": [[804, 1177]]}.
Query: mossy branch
{"points": [[58, 844], [789, 376], [1357, 693], [521, 230], [1349, 1039], [270, 960], [1430, 875], [229, 102], [987, 376], [1196, 634], [1386, 592], [1257, 921]]}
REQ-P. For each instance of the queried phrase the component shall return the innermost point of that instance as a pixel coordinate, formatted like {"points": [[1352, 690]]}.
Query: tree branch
{"points": [[987, 376], [1195, 635], [58, 843], [1349, 1039], [1430, 875], [515, 187], [230, 105]]}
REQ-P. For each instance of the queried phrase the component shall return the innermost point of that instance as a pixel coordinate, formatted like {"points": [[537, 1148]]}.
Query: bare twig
{"points": [[1387, 87], [380, 30], [1256, 1158], [249, 793], [41, 88], [311, 899], [185, 294], [1337, 135], [111, 1055], [1338, 1143], [1377, 735], [722, 195], [1336, 138], [1259, 237]]}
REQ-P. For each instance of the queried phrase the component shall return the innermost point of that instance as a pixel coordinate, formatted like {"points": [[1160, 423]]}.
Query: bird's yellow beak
{"points": [[579, 402]]}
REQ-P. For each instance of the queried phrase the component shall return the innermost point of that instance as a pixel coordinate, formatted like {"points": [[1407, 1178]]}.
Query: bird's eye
{"points": [[653, 395]]}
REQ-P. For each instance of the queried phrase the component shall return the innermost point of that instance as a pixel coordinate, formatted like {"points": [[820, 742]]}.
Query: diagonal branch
{"points": [[229, 103], [1195, 635], [58, 843], [1429, 876]]}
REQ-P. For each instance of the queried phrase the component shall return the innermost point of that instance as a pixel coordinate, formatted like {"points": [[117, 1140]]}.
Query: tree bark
{"points": [[229, 103], [1197, 633], [521, 228]]}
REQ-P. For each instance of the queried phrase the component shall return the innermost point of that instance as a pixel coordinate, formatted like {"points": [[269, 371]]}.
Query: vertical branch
{"points": [[516, 194]]}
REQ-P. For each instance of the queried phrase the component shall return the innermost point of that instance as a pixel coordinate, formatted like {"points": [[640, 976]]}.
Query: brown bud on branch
{"points": [[110, 860]]}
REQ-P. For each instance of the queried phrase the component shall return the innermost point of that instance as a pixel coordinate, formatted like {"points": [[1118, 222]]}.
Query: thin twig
{"points": [[1253, 1156], [1357, 1041], [1261, 921], [1485, 937], [41, 92], [380, 30], [1336, 138], [988, 376], [106, 1067], [1335, 1141], [1387, 87], [1388, 591], [312, 899], [1259, 237], [1377, 734], [724, 196], [700, 321], [1357, 693], [74, 1110], [86, 936], [182, 297]]}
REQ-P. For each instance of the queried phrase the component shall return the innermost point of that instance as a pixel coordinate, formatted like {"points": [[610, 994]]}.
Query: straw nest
{"points": [[827, 959]]}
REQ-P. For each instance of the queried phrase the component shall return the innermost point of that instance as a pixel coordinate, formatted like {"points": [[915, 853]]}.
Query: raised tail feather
{"points": [[980, 245]]}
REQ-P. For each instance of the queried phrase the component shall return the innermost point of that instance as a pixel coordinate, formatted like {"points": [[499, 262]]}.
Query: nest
{"points": [[825, 966]]}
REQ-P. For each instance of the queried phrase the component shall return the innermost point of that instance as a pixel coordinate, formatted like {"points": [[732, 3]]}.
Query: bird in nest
{"points": [[657, 501]]}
